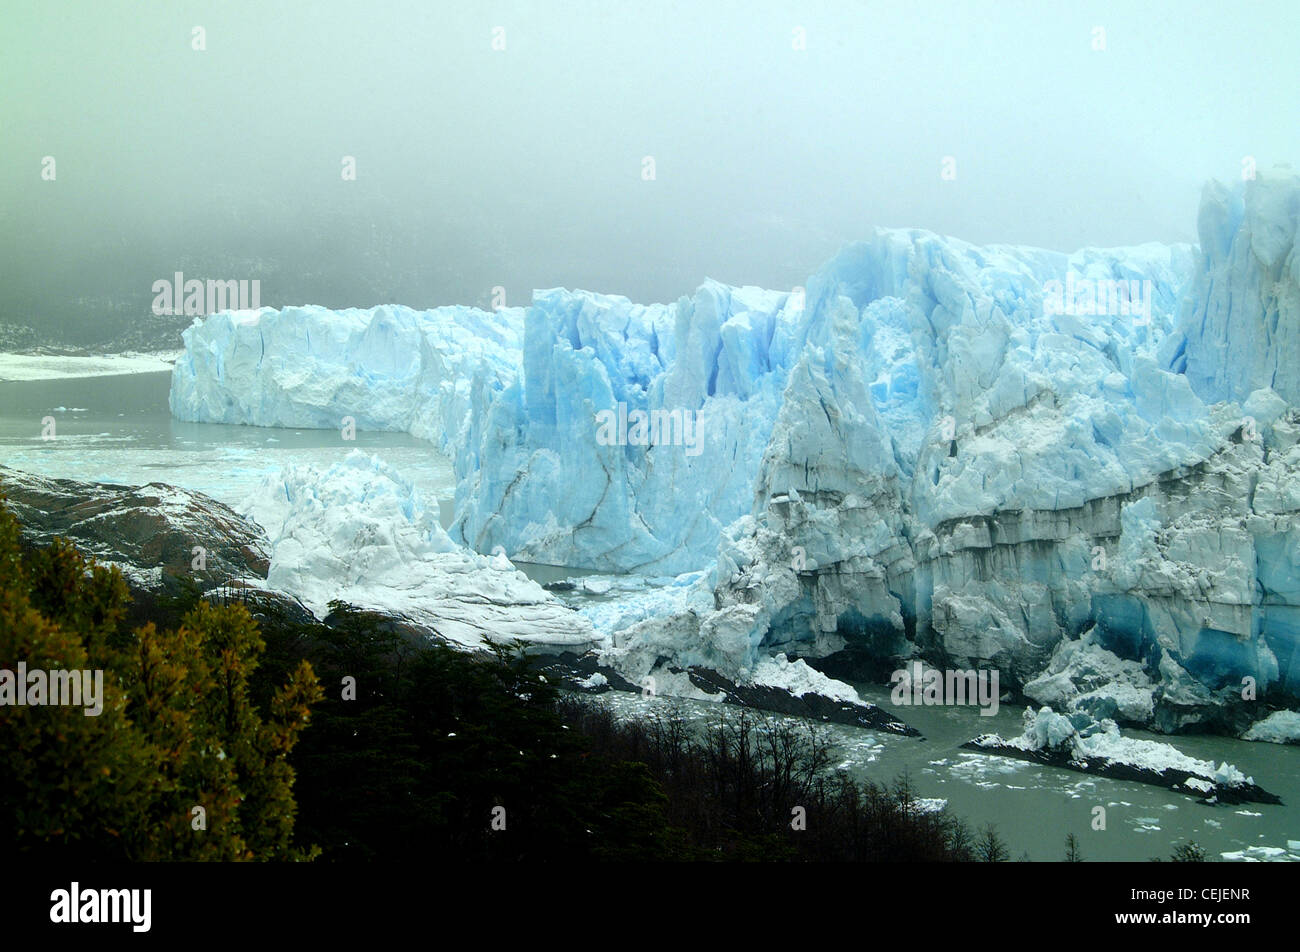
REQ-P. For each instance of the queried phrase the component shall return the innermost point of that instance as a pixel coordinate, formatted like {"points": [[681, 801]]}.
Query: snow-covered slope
{"points": [[975, 453], [149, 532], [360, 533]]}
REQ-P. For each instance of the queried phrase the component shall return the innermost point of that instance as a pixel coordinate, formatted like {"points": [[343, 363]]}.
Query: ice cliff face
{"points": [[938, 328], [971, 453], [1239, 328], [549, 486], [388, 368]]}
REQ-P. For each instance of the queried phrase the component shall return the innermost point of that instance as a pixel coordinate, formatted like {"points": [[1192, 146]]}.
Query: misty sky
{"points": [[523, 167]]}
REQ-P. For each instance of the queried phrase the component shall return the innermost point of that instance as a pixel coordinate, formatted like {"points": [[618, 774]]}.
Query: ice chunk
{"points": [[1280, 727]]}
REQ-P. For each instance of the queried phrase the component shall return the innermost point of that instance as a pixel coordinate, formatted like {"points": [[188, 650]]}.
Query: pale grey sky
{"points": [[522, 167]]}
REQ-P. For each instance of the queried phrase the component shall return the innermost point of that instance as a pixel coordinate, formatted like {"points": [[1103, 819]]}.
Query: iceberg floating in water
{"points": [[1280, 727]]}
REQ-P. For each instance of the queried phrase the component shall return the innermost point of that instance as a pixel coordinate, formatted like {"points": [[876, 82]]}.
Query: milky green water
{"points": [[1034, 807], [119, 430]]}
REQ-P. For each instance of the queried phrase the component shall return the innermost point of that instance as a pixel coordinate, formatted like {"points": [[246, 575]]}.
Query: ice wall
{"points": [[1239, 329], [548, 486], [388, 368], [973, 453], [1054, 472]]}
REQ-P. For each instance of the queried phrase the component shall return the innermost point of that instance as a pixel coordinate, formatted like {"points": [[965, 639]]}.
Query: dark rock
{"points": [[570, 670], [864, 664], [150, 532], [1229, 715], [153, 527], [262, 603], [815, 706]]}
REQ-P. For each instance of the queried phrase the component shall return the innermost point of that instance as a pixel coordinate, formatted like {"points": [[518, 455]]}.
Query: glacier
{"points": [[920, 453], [387, 368]]}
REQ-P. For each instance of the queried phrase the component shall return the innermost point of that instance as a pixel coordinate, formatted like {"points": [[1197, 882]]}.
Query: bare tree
{"points": [[990, 848], [1072, 853]]}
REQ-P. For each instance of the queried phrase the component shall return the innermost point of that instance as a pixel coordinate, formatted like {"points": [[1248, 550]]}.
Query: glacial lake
{"points": [[118, 429], [1034, 807]]}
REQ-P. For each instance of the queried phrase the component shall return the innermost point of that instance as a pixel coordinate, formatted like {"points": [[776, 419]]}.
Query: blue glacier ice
{"points": [[1239, 328], [546, 489], [388, 368], [935, 448]]}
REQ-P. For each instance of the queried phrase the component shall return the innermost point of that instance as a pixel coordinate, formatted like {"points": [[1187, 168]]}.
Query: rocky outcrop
{"points": [[151, 532], [586, 674], [812, 705], [160, 537]]}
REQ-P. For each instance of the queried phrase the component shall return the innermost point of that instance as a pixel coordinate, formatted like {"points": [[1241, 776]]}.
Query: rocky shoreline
{"points": [[586, 674]]}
